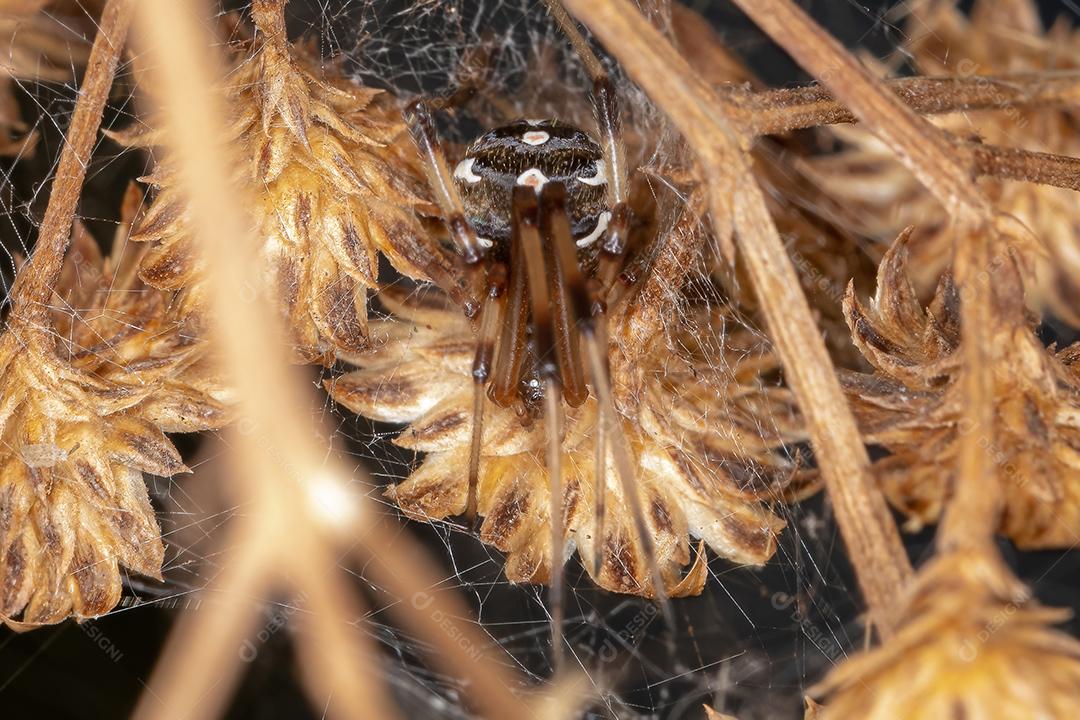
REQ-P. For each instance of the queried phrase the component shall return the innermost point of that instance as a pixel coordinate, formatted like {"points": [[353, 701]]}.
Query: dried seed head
{"points": [[82, 416], [971, 643], [698, 428], [912, 405], [335, 181]]}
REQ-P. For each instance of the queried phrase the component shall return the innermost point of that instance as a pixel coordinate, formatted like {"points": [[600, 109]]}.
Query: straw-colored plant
{"points": [[279, 182], [692, 415], [89, 392]]}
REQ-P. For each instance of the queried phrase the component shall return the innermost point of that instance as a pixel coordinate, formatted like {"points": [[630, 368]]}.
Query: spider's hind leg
{"points": [[587, 313], [526, 236], [491, 319]]}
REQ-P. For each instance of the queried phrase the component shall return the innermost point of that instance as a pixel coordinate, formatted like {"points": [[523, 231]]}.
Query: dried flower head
{"points": [[912, 405], [971, 643], [707, 438], [83, 413], [334, 181]]}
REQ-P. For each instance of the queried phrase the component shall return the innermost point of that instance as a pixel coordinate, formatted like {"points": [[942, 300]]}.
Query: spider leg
{"points": [[491, 316], [527, 237], [562, 269], [511, 354], [422, 127], [606, 111], [613, 245], [555, 227]]}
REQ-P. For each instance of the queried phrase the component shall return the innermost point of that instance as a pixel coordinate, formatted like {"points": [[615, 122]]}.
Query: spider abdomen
{"points": [[532, 152]]}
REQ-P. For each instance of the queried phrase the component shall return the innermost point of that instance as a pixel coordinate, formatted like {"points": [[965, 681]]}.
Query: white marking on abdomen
{"points": [[532, 178], [535, 137], [484, 242], [598, 178], [601, 226], [464, 171]]}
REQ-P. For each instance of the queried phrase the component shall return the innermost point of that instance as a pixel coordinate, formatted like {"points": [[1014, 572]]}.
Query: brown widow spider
{"points": [[538, 211]]}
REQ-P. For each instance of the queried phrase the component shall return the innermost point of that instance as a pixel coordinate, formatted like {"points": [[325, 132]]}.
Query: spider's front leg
{"points": [[492, 309], [543, 284], [606, 112], [422, 127], [587, 314], [491, 303]]}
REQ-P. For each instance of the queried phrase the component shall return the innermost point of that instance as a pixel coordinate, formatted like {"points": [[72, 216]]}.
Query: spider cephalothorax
{"points": [[532, 153]]}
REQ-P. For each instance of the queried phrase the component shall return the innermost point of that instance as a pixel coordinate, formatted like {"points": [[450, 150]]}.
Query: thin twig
{"points": [[925, 150], [34, 286], [737, 204], [973, 513], [772, 112], [1024, 165]]}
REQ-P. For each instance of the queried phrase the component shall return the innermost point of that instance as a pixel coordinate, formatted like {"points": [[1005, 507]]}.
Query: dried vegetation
{"points": [[942, 368]]}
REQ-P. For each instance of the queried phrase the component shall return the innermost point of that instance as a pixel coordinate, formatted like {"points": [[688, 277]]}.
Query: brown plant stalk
{"points": [[929, 154], [771, 112], [33, 287], [738, 206], [937, 662], [184, 682]]}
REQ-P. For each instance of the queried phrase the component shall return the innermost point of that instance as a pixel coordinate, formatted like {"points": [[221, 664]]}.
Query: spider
{"points": [[538, 212]]}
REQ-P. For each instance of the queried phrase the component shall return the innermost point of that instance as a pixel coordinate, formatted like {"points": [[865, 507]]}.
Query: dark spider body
{"points": [[532, 153]]}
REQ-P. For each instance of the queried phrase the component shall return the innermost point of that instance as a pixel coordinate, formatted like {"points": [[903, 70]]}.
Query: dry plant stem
{"points": [[780, 111], [33, 287], [252, 355], [974, 511], [281, 460], [869, 532], [1014, 164], [928, 153], [197, 669], [773, 112], [925, 150]]}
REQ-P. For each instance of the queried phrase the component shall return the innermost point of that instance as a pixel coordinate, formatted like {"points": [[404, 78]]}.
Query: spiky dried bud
{"points": [[335, 181], [84, 410], [706, 436], [912, 405], [971, 643]]}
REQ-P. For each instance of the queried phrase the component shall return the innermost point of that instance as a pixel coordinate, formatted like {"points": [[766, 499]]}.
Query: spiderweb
{"points": [[751, 644]]}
